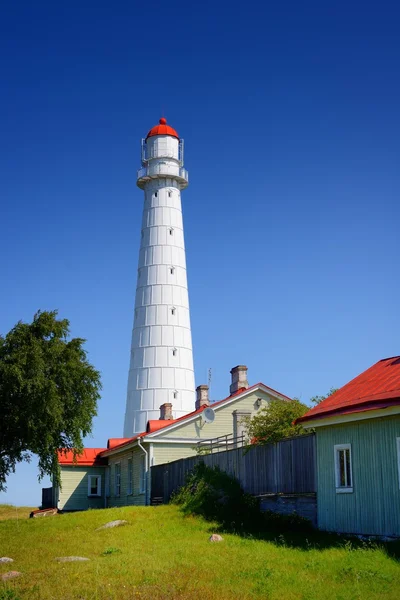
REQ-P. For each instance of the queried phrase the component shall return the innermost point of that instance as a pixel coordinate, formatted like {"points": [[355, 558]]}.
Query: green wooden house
{"points": [[119, 474], [358, 453]]}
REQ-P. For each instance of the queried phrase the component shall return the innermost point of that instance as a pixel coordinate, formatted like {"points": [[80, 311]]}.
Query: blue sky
{"points": [[290, 117]]}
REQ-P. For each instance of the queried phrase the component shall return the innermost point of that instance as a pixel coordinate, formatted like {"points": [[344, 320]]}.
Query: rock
{"points": [[117, 523], [71, 559], [10, 575], [5, 559], [215, 538]]}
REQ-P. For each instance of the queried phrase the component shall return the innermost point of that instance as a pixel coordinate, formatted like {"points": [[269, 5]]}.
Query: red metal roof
{"points": [[156, 424], [377, 387], [113, 442], [90, 457], [162, 129]]}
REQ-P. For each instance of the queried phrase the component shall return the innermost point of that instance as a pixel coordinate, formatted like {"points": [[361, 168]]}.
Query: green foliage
{"points": [[111, 550], [9, 595], [317, 399], [48, 394], [216, 496], [275, 422]]}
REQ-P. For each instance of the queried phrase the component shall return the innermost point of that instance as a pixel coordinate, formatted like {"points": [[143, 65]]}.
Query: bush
{"points": [[217, 496]]}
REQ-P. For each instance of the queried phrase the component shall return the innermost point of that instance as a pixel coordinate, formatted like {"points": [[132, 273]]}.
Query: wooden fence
{"points": [[286, 467]]}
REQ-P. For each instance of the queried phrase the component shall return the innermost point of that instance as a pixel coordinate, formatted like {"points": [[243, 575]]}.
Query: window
{"points": [[142, 482], [173, 311], [343, 469], [169, 194], [174, 352], [117, 479], [155, 194], [94, 485], [130, 476], [171, 231], [107, 486], [172, 270], [175, 395]]}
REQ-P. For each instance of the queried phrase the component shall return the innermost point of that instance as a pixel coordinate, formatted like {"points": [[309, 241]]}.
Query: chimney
{"points": [[239, 379], [166, 412], [202, 398]]}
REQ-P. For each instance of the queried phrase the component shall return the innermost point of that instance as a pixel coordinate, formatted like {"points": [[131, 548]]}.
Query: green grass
{"points": [[8, 511], [163, 555]]}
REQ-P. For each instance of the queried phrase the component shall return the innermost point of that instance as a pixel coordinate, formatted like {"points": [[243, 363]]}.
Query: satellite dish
{"points": [[208, 415]]}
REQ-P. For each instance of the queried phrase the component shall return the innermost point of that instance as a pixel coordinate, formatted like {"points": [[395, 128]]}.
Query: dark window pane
{"points": [[348, 471], [342, 482]]}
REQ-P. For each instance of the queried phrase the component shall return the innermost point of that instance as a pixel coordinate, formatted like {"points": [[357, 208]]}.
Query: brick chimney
{"points": [[239, 379], [166, 412], [202, 398]]}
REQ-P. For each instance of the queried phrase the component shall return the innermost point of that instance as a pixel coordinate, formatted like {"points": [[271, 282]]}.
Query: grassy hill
{"points": [[161, 554]]}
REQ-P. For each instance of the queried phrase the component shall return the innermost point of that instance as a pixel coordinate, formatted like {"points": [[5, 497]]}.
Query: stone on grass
{"points": [[117, 523], [10, 575], [5, 559], [71, 559], [215, 538]]}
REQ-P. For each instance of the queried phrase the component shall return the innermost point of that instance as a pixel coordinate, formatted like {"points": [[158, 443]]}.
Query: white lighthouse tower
{"points": [[161, 365]]}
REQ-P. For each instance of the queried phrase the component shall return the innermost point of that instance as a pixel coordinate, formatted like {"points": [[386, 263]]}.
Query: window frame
{"points": [[348, 489], [107, 485], [142, 475], [98, 487], [130, 477], [117, 488]]}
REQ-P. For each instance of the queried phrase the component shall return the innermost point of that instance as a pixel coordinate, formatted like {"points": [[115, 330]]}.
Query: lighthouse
{"points": [[161, 362]]}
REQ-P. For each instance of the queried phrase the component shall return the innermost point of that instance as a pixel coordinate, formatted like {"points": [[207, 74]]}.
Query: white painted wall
{"points": [[161, 366]]}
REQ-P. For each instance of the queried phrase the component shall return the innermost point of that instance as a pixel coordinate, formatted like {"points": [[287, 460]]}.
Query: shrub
{"points": [[217, 496]]}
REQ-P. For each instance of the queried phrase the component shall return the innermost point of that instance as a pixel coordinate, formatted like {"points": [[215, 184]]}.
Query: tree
{"points": [[275, 422], [317, 399], [48, 394]]}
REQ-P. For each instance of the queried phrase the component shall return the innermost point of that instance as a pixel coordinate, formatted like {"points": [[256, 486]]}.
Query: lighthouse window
{"points": [[174, 352], [173, 311], [155, 194], [171, 231], [175, 395], [172, 270], [169, 194]]}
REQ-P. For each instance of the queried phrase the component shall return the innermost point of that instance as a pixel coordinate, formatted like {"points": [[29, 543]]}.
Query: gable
{"points": [[196, 429]]}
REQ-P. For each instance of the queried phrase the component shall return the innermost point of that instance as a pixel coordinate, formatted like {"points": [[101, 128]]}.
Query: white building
{"points": [[161, 365]]}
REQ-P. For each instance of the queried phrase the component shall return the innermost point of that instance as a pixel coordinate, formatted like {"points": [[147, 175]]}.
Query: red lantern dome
{"points": [[162, 129]]}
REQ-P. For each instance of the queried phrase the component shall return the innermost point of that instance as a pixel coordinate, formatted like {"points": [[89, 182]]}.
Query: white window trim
{"points": [[98, 477], [142, 475], [117, 495], [107, 482], [398, 456], [339, 489], [130, 477]]}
